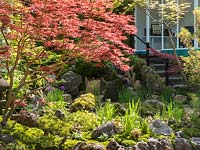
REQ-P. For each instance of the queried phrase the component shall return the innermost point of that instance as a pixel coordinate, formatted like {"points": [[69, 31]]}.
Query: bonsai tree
{"points": [[69, 29]]}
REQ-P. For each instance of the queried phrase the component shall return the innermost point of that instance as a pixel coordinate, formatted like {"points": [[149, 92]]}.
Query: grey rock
{"points": [[157, 123], [159, 127], [94, 87], [180, 98], [196, 142], [67, 98], [182, 144], [153, 144], [59, 113], [6, 138], [109, 129], [112, 88], [137, 84], [159, 144], [142, 145], [113, 145], [134, 148], [179, 134], [85, 146], [70, 83], [28, 119], [152, 79], [152, 106], [165, 144]]}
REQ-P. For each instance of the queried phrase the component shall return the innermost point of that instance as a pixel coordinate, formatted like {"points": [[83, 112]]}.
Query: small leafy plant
{"points": [[107, 112], [131, 119], [55, 95]]}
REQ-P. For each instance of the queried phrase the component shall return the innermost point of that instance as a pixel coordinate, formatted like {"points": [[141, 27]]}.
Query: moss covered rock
{"points": [[84, 102]]}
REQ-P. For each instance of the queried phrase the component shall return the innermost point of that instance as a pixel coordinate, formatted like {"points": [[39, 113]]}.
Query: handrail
{"points": [[148, 48], [147, 44]]}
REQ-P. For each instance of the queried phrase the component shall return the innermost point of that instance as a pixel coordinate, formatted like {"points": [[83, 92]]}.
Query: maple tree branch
{"points": [[4, 36]]}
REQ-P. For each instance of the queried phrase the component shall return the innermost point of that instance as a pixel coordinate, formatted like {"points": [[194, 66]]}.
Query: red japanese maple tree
{"points": [[73, 28]]}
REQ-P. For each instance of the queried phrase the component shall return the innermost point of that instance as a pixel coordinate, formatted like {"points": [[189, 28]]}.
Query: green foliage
{"points": [[131, 119], [121, 6], [144, 93], [172, 111], [84, 102], [125, 95], [70, 143], [72, 123], [53, 106], [53, 125], [137, 64], [88, 69], [79, 118], [196, 103], [106, 113], [192, 132], [129, 142], [55, 95], [167, 94], [103, 137], [145, 126], [192, 66]]}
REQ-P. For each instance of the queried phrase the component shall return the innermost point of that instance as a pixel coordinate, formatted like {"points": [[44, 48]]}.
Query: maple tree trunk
{"points": [[175, 54]]}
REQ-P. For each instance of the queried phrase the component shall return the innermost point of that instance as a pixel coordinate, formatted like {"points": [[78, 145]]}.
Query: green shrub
{"points": [[84, 102], [192, 66], [88, 69], [55, 95]]}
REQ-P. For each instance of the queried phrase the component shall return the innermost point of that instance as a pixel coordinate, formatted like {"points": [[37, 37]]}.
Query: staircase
{"points": [[167, 69]]}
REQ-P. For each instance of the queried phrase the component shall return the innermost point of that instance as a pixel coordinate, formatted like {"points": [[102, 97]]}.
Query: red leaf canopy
{"points": [[84, 28]]}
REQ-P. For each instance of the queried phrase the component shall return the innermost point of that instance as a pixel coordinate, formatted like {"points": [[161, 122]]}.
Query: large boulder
{"points": [[27, 119], [152, 79], [94, 87], [70, 83], [108, 128], [112, 89], [159, 127], [152, 106]]}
